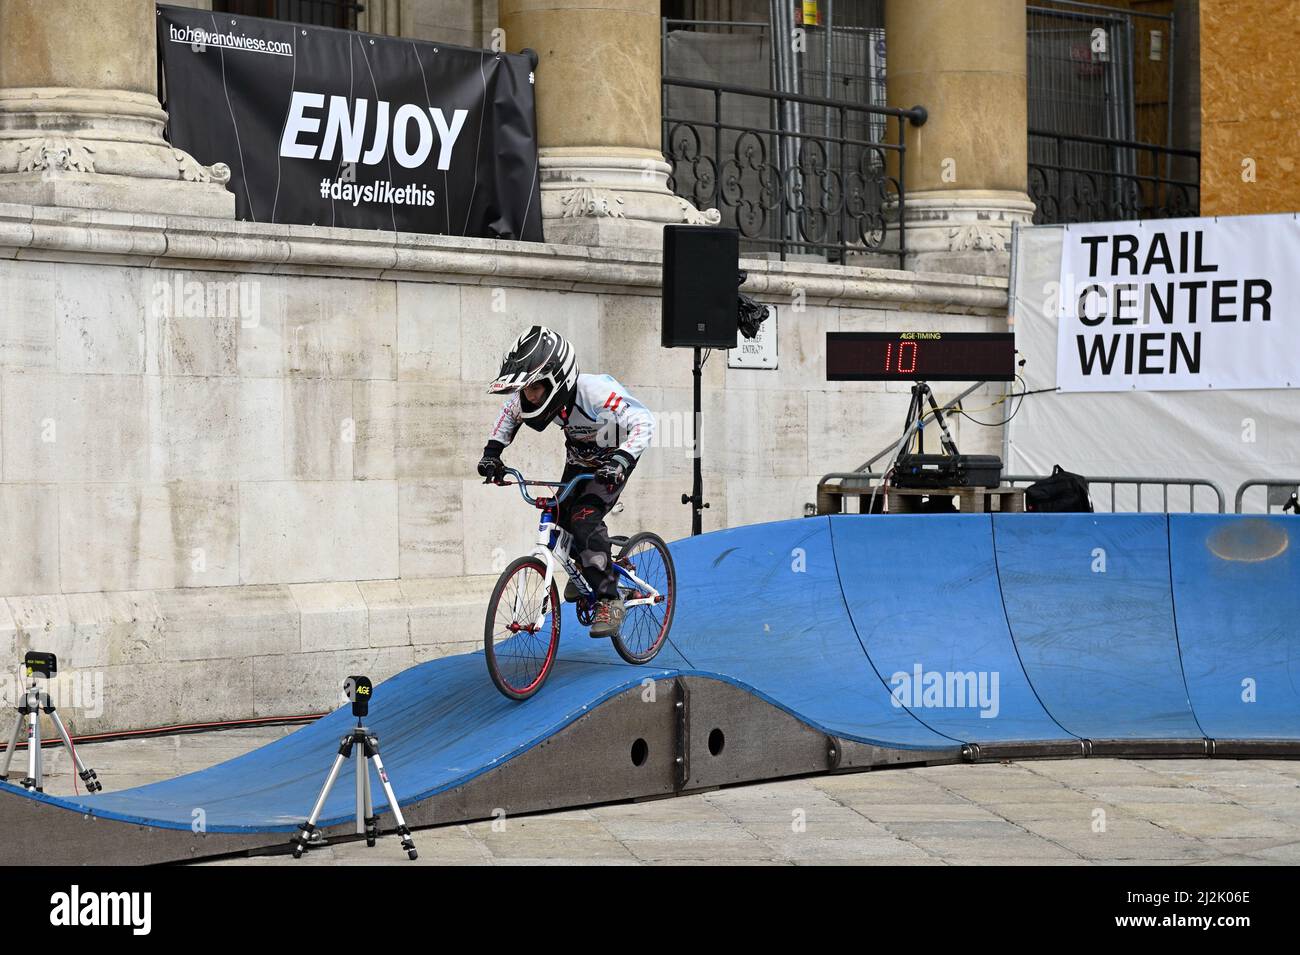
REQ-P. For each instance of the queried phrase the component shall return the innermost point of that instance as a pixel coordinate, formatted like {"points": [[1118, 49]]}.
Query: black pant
{"points": [[583, 516]]}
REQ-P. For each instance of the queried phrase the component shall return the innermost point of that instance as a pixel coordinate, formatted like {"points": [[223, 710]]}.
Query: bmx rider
{"points": [[605, 431]]}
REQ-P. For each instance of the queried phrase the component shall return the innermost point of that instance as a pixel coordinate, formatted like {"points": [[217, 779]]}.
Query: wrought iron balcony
{"points": [[793, 174]]}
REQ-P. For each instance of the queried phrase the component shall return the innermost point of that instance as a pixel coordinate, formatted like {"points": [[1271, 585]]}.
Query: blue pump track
{"points": [[814, 645]]}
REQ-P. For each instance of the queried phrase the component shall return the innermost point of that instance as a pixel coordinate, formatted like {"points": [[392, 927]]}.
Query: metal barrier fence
{"points": [[785, 188], [1138, 483], [830, 498], [863, 484], [843, 57], [1288, 488], [1099, 70]]}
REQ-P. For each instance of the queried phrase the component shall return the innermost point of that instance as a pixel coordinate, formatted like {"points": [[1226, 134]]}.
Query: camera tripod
{"points": [[915, 424], [361, 746], [915, 421], [34, 702]]}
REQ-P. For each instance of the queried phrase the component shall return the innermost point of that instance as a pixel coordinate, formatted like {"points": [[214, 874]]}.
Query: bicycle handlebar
{"points": [[522, 483]]}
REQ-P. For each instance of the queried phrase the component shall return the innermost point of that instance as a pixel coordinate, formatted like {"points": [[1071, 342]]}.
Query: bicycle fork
{"points": [[543, 553]]}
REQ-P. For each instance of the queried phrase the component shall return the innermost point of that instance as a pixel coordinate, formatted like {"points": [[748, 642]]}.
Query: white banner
{"points": [[1180, 305]]}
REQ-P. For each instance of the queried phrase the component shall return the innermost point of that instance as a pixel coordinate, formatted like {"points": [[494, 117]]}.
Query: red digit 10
{"points": [[889, 358]]}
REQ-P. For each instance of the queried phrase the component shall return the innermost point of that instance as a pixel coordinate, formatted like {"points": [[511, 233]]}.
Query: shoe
{"points": [[571, 593], [608, 618]]}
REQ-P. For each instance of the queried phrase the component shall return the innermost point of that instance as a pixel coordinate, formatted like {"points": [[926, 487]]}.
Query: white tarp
{"points": [[1180, 304], [1223, 436]]}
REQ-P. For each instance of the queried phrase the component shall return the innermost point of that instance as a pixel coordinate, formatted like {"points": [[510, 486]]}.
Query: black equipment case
{"points": [[947, 470]]}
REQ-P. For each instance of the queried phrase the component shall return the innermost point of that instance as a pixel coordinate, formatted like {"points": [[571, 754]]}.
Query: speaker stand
{"points": [[696, 497]]}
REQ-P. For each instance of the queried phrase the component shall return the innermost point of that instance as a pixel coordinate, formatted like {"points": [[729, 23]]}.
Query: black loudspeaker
{"points": [[700, 298]]}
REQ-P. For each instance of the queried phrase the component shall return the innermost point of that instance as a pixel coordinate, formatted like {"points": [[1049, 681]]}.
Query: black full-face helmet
{"points": [[539, 355]]}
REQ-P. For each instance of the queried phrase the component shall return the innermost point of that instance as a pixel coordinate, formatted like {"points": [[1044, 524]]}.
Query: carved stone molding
{"points": [[56, 154], [603, 196], [976, 238], [101, 149], [190, 242], [191, 170], [965, 231], [586, 201], [694, 216]]}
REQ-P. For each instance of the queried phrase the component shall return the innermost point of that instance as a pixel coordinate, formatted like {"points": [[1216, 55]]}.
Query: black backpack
{"points": [[1059, 492]]}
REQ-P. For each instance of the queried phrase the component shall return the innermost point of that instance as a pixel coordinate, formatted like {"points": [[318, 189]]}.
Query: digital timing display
{"points": [[920, 356]]}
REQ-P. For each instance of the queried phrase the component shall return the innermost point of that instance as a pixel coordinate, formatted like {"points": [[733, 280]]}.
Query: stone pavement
{"points": [[1053, 812]]}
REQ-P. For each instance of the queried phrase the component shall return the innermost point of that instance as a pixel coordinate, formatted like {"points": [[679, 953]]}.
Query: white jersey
{"points": [[605, 421]]}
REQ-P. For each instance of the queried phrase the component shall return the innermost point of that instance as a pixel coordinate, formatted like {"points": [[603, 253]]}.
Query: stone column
{"points": [[80, 121], [604, 180], [967, 167], [382, 16]]}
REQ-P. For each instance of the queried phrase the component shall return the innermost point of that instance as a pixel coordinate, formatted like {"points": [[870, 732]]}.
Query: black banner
{"points": [[337, 128]]}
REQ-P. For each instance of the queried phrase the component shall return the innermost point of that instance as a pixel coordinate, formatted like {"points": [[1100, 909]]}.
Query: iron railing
{"points": [[1094, 179], [786, 189], [321, 13], [1281, 491], [1100, 100]]}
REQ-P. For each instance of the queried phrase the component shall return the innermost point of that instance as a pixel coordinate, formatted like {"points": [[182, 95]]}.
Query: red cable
{"points": [[181, 727]]}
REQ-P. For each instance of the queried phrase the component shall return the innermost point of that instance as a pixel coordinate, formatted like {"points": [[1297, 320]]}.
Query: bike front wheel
{"points": [[522, 632], [645, 626]]}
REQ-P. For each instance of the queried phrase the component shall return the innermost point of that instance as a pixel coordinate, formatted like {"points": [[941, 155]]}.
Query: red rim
{"points": [[533, 663]]}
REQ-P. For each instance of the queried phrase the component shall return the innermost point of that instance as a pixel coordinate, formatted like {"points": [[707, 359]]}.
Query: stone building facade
{"points": [[236, 459]]}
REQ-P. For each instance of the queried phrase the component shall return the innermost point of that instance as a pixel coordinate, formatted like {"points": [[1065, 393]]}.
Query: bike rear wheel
{"points": [[522, 631], [645, 626]]}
